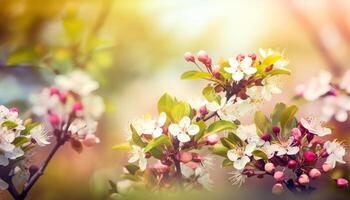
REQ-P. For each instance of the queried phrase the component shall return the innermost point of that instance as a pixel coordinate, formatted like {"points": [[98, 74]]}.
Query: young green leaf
{"points": [[221, 125], [271, 59], [166, 103], [279, 71], [195, 75], [287, 115], [202, 128], [260, 154], [29, 127], [180, 110], [276, 113], [228, 143], [122, 147], [227, 163], [219, 149], [9, 124], [20, 140], [235, 139], [209, 93], [163, 139], [261, 122], [136, 138]]}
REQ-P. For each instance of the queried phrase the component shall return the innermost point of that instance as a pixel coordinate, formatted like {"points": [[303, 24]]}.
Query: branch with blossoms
{"points": [[334, 95], [169, 151], [69, 110]]}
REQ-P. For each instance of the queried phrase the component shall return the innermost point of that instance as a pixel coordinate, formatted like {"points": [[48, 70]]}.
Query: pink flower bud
{"points": [[279, 176], [203, 110], [270, 168], [189, 57], [300, 90], [309, 156], [327, 167], [240, 57], [54, 119], [54, 91], [216, 71], [276, 130], [296, 133], [253, 56], [314, 173], [202, 56], [292, 164], [184, 157], [91, 140], [342, 183], [77, 106], [63, 97], [324, 153], [212, 139], [196, 157], [14, 110], [266, 137], [304, 179], [277, 189], [165, 130]]}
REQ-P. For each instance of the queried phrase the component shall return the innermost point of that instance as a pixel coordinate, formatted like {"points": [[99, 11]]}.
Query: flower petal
{"points": [[183, 137], [174, 129], [193, 129]]}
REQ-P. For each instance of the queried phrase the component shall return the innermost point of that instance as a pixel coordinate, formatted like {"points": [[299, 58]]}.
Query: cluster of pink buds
{"points": [[71, 109]]}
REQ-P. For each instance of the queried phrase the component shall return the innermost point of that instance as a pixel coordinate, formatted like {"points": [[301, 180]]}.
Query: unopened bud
{"points": [[266, 137], [212, 139], [309, 156], [165, 130], [314, 173], [276, 130], [292, 164], [54, 91], [270, 168], [342, 183], [77, 106], [304, 179], [279, 176], [203, 110], [240, 57], [253, 56], [327, 167], [54, 119], [189, 57], [14, 110]]}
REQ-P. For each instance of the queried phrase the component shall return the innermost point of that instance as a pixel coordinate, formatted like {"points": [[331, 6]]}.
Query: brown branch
{"points": [[313, 33]]}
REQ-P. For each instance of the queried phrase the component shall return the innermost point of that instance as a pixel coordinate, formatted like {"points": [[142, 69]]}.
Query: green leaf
{"points": [[29, 128], [23, 56], [276, 113], [235, 139], [136, 138], [219, 149], [221, 125], [261, 122], [228, 143], [195, 75], [163, 139], [279, 71], [166, 103], [180, 110], [260, 154], [156, 152], [20, 140], [132, 168], [287, 115], [227, 163], [122, 147], [209, 93], [202, 128], [271, 59], [9, 124]]}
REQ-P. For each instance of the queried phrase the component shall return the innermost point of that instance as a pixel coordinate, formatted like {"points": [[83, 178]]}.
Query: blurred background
{"points": [[134, 49]]}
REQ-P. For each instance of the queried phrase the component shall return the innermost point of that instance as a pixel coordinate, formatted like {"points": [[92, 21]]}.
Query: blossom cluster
{"points": [[168, 149], [71, 106], [334, 95], [293, 151], [16, 138]]}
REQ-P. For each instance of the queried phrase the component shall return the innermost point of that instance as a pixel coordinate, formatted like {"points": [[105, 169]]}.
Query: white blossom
{"points": [[337, 106], [184, 129], [40, 135], [239, 69], [149, 126], [285, 147], [93, 106], [317, 86], [249, 134], [314, 126], [138, 155], [78, 82], [335, 151], [240, 156]]}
